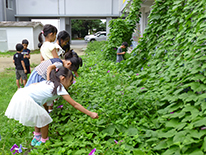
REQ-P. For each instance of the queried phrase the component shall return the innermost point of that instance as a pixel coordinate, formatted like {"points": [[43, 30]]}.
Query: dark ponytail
{"points": [[48, 28], [55, 77], [63, 35]]}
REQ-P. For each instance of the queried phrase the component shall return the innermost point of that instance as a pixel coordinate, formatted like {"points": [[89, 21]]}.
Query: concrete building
{"points": [[65, 10], [7, 10], [14, 32]]}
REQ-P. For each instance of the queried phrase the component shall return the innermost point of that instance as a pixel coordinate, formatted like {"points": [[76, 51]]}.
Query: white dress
{"points": [[26, 106]]}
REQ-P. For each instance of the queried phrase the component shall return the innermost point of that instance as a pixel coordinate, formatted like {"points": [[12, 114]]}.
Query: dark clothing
{"points": [[26, 60], [18, 57], [119, 57]]}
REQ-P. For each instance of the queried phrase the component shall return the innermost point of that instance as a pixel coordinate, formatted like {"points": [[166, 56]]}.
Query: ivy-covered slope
{"points": [[171, 57]]}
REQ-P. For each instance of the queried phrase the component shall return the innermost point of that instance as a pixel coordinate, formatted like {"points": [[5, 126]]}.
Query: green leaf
{"points": [[109, 130], [200, 122], [138, 152], [197, 152], [131, 131]]}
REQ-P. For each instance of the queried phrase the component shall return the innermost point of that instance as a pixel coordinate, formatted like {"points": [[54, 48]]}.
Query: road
{"points": [[7, 61]]}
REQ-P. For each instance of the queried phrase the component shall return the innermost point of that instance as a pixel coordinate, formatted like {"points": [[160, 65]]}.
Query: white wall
{"points": [[17, 34], [68, 7], [37, 6], [35, 33]]}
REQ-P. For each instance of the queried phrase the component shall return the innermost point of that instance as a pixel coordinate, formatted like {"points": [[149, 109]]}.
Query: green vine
{"points": [[122, 29]]}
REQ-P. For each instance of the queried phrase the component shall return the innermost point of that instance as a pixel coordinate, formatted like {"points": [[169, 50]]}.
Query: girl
{"points": [[70, 54], [47, 48], [42, 71], [63, 38], [26, 104]]}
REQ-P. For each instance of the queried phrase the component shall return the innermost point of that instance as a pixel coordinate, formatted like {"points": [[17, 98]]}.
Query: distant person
{"points": [[18, 60], [63, 38], [26, 106], [120, 53], [26, 54], [48, 49]]}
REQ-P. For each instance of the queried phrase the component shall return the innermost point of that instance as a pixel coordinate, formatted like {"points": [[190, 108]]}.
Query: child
{"points": [[20, 66], [42, 71], [26, 54], [63, 38], [120, 53], [47, 48], [26, 104], [70, 54]]}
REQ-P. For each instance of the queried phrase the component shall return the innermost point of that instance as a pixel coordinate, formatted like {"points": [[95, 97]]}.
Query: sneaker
{"points": [[34, 142], [38, 143]]}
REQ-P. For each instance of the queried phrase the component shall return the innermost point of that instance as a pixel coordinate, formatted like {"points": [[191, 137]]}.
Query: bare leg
{"points": [[24, 82], [44, 131], [17, 83], [21, 81], [37, 129]]}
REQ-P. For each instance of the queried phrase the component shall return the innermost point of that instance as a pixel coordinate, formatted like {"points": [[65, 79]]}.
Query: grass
{"points": [[11, 131], [10, 53]]}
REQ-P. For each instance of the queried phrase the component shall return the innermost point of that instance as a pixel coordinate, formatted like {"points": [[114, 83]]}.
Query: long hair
{"points": [[55, 77], [48, 28], [63, 35]]}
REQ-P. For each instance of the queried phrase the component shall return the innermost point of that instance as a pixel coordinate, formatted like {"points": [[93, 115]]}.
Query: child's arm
{"points": [[27, 56], [121, 53], [76, 74], [23, 65], [54, 53], [80, 107], [42, 59], [49, 69]]}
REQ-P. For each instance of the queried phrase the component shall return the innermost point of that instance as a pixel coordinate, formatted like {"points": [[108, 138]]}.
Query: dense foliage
{"points": [[121, 29], [81, 28]]}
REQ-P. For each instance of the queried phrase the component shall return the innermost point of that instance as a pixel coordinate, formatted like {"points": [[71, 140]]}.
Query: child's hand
{"points": [[94, 115], [123, 52], [25, 71]]}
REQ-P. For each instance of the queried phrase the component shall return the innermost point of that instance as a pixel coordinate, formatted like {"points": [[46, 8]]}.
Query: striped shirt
{"points": [[42, 67]]}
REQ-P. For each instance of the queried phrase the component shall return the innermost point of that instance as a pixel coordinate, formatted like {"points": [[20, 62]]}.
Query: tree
{"points": [[83, 27]]}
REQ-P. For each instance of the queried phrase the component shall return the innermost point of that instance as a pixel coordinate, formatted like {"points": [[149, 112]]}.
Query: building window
{"points": [[10, 4]]}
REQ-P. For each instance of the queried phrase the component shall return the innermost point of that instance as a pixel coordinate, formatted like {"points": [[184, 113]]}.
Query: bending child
{"points": [[26, 105], [120, 53]]}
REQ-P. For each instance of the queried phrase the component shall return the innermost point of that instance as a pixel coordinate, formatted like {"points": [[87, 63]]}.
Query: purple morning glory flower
{"points": [[92, 152], [115, 48], [116, 141], [108, 71], [141, 68], [148, 65], [142, 88], [61, 106], [101, 50], [14, 147], [203, 128], [74, 82], [95, 64], [137, 74], [172, 113], [90, 68]]}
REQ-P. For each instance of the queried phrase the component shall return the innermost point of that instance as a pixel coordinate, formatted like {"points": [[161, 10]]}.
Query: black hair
{"points": [[25, 41], [48, 28], [19, 47], [55, 77], [72, 54], [125, 44], [66, 47], [64, 35]]}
